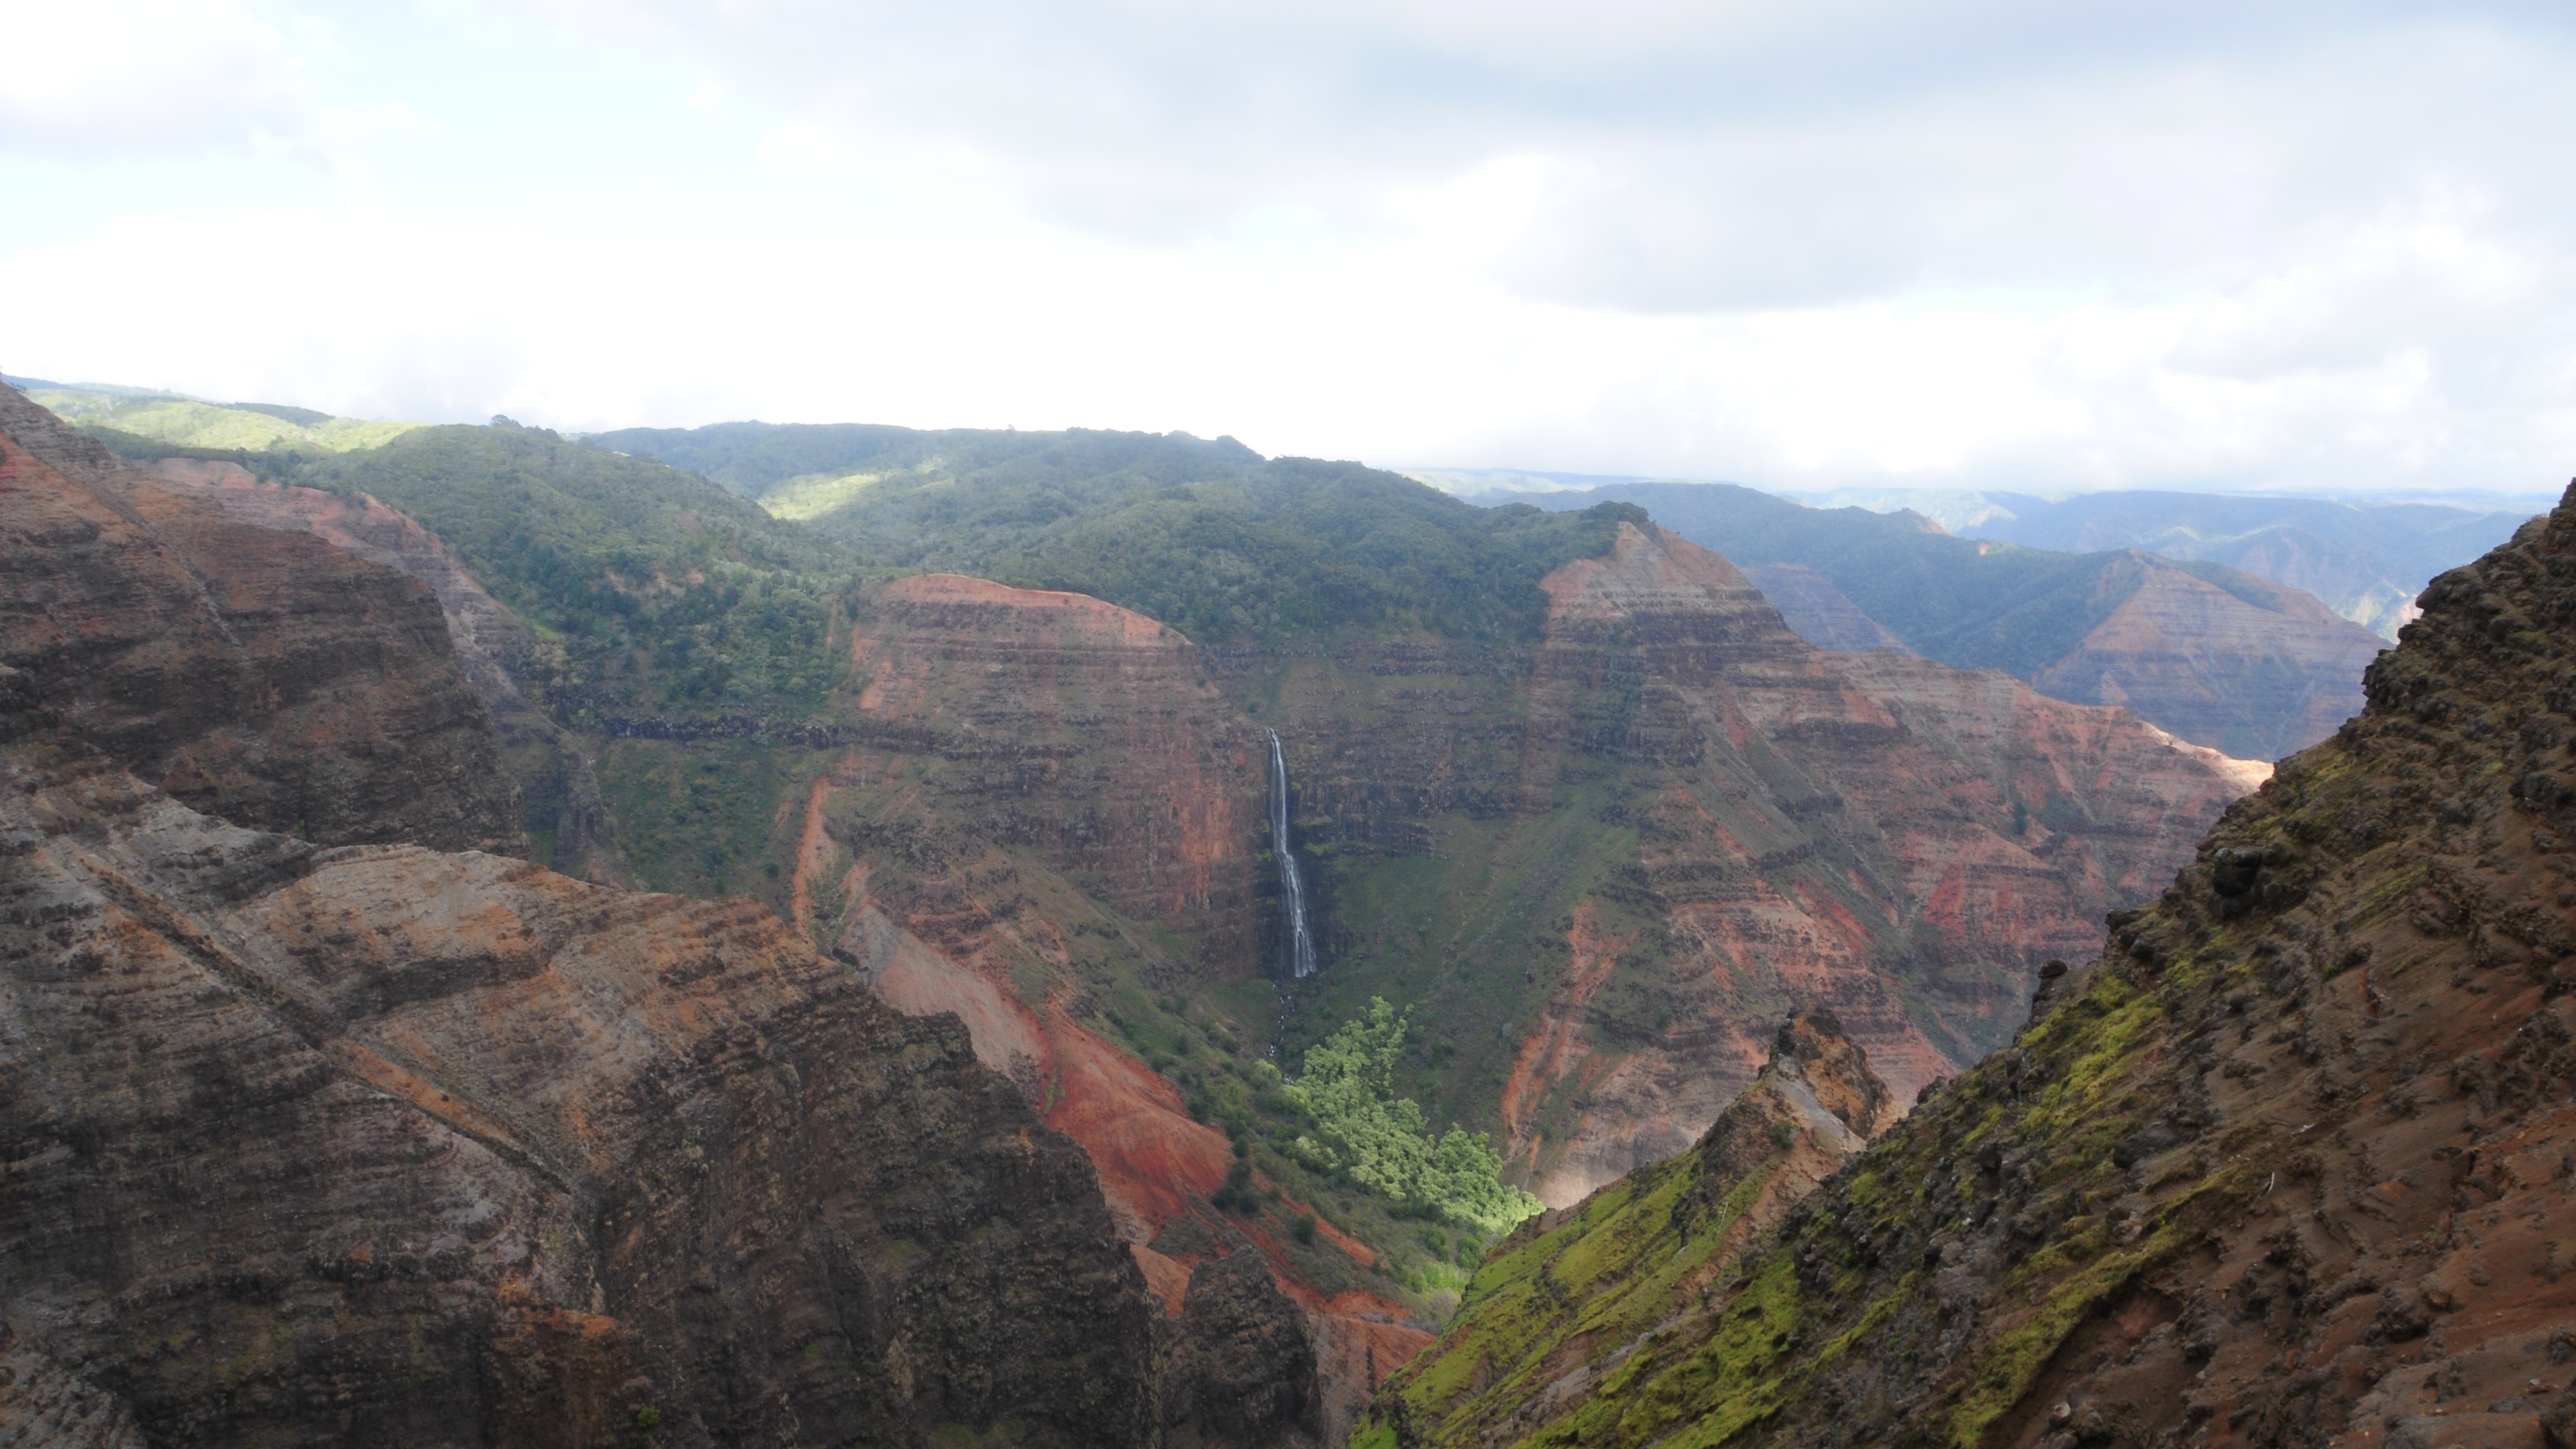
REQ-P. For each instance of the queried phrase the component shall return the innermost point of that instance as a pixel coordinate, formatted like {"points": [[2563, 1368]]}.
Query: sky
{"points": [[1985, 243]]}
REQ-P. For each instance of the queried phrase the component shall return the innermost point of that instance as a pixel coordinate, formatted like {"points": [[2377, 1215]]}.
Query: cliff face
{"points": [[1682, 818], [1560, 1304], [2263, 679], [2288, 1166], [492, 648], [379, 1145], [368, 1143], [257, 674], [1049, 818], [1043, 786]]}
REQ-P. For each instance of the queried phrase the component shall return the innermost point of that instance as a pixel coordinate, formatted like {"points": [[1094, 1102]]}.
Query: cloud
{"points": [[1708, 154], [105, 77], [1990, 242]]}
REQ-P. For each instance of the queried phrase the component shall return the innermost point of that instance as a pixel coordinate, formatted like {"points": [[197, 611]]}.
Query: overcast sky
{"points": [[2002, 243]]}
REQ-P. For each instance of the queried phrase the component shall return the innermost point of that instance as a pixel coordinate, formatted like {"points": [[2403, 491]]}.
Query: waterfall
{"points": [[1292, 885]]}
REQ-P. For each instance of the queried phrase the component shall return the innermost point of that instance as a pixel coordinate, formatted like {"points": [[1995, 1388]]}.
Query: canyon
{"points": [[2288, 1163], [1604, 855], [1682, 818]]}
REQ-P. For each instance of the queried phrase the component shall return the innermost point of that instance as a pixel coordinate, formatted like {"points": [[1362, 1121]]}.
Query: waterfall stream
{"points": [[1292, 885]]}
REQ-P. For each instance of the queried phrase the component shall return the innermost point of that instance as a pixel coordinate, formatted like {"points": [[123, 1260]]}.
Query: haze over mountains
{"points": [[1606, 860], [2366, 558], [2219, 656]]}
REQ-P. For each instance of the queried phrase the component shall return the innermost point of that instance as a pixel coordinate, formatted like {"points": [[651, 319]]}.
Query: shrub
{"points": [[1367, 1134]]}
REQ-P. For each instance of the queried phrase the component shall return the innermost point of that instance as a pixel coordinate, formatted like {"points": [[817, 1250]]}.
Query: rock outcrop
{"points": [[379, 1145], [2289, 1165], [363, 1142], [493, 649], [1240, 1371], [256, 674], [1560, 1304]]}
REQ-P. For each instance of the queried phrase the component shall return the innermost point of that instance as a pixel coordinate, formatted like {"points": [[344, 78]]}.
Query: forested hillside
{"points": [[1207, 537]]}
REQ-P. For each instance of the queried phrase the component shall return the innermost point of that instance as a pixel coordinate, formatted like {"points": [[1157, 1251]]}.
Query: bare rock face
{"points": [[1240, 1372], [1870, 832], [1045, 793], [2267, 676], [379, 1145], [1075, 728], [257, 674], [493, 649], [2290, 1164], [1041, 778]]}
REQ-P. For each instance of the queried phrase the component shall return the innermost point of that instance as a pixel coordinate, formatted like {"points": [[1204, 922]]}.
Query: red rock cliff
{"points": [[1675, 818]]}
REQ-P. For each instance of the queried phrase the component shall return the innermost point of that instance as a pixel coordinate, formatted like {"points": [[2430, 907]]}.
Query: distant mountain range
{"points": [[2367, 562], [2366, 557], [2215, 654]]}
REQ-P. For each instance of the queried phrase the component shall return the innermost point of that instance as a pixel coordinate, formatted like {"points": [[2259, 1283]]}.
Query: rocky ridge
{"points": [[1559, 1305], [260, 675], [2290, 1164], [493, 649], [370, 1143], [2221, 657]]}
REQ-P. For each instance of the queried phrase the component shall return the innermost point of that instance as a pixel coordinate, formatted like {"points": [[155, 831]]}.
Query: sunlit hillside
{"points": [[195, 424]]}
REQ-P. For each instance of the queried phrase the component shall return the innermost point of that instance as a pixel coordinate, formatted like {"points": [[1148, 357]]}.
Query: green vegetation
{"points": [[1843, 1285], [651, 588], [259, 427], [1204, 536], [1367, 1133]]}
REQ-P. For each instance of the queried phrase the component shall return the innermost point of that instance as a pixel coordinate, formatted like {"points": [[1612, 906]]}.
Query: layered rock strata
{"points": [[380, 1145], [2267, 678], [1683, 818], [1051, 800], [493, 649], [2289, 1165], [1043, 787], [261, 675]]}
